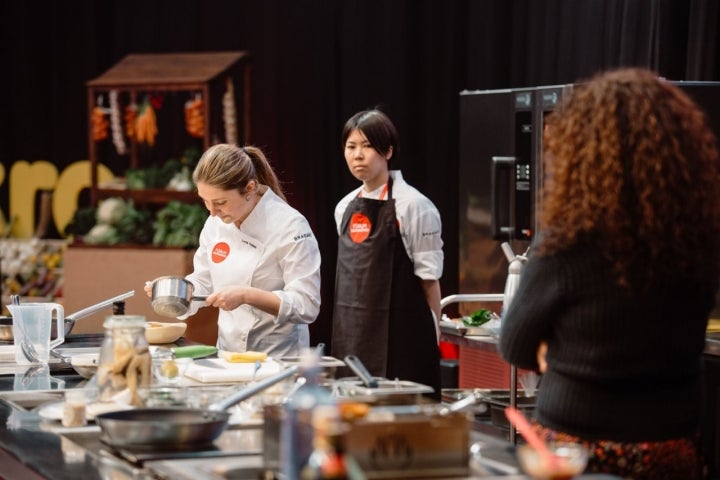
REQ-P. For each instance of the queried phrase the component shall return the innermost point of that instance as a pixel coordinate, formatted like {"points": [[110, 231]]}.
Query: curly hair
{"points": [[632, 169]]}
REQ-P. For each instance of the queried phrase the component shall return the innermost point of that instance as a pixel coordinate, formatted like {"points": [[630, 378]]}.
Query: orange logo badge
{"points": [[220, 252], [360, 227]]}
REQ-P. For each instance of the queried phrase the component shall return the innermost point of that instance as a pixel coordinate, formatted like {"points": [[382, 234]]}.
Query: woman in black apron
{"points": [[383, 310]]}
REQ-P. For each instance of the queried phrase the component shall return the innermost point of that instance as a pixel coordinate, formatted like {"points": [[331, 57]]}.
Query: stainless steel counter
{"points": [[35, 448], [712, 342]]}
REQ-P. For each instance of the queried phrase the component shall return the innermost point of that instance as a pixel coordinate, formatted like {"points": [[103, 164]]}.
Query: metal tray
{"points": [[325, 361], [453, 327], [388, 392], [499, 402], [385, 387]]}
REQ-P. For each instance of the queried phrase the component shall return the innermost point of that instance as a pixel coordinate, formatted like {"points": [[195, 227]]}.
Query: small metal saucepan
{"points": [[149, 428], [171, 296], [6, 324]]}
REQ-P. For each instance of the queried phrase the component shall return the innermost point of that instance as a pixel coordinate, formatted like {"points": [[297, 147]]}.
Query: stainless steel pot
{"points": [[171, 296], [149, 428], [6, 331]]}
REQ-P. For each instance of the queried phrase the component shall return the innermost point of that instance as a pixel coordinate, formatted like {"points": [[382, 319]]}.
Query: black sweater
{"points": [[620, 367]]}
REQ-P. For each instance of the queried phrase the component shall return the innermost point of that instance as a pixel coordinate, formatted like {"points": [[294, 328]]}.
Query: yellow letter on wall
{"points": [[72, 181], [25, 180]]}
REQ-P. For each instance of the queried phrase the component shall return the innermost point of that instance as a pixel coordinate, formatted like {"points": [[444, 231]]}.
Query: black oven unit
{"points": [[501, 144]]}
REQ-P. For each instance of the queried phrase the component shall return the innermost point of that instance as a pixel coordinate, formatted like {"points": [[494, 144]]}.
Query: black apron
{"points": [[381, 314]]}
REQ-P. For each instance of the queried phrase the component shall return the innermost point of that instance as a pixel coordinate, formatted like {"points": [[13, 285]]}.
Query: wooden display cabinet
{"points": [[206, 74], [96, 273]]}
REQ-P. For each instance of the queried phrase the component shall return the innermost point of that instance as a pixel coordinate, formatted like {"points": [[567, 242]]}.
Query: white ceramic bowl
{"points": [[571, 460], [164, 332], [85, 364]]}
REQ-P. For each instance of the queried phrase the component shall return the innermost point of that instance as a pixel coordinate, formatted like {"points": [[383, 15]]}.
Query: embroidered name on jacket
{"points": [[302, 236], [248, 243]]}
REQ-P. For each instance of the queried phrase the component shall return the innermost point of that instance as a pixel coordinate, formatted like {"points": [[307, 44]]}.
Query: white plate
{"points": [[67, 352], [54, 411]]}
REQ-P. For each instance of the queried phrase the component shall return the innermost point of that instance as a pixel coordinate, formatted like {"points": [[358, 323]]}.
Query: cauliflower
{"points": [[182, 181], [101, 234], [110, 211]]}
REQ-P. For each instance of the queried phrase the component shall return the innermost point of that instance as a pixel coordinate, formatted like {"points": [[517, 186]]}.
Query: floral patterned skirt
{"points": [[675, 459]]}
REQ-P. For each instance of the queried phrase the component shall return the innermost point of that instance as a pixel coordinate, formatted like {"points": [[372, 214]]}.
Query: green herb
{"points": [[477, 318]]}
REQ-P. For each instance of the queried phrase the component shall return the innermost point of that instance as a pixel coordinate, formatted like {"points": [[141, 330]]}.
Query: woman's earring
{"points": [[247, 199]]}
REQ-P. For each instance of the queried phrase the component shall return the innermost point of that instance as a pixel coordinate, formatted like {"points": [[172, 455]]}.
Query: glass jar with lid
{"points": [[124, 365]]}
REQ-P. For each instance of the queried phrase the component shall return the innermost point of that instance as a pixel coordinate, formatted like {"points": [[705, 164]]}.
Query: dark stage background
{"points": [[316, 62]]}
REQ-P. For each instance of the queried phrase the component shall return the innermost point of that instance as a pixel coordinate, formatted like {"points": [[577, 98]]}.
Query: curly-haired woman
{"points": [[613, 304]]}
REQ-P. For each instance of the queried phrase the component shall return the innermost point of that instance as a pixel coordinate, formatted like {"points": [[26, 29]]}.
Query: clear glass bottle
{"points": [[327, 460], [125, 361], [296, 429]]}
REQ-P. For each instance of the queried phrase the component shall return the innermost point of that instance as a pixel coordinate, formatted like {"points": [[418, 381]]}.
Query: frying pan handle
{"points": [[253, 389], [358, 367], [99, 306]]}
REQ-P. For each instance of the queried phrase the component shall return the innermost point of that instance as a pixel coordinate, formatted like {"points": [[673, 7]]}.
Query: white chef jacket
{"points": [[275, 250], [419, 221]]}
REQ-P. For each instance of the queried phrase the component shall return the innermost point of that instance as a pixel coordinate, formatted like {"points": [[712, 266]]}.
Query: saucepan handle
{"points": [[361, 371]]}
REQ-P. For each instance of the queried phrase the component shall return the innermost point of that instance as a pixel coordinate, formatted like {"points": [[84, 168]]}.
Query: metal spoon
{"points": [[26, 347]]}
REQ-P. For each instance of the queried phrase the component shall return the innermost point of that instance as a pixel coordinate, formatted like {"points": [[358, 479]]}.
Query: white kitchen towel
{"points": [[217, 370]]}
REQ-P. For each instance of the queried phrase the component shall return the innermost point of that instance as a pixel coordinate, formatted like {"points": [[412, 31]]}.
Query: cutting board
{"points": [[217, 370]]}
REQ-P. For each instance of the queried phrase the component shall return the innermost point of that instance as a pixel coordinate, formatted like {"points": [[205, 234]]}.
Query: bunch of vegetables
{"points": [[100, 123], [118, 221], [146, 123], [194, 117], [178, 224], [174, 174], [477, 318]]}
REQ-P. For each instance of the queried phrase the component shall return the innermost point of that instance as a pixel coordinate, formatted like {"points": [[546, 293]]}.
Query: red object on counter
{"points": [[449, 351]]}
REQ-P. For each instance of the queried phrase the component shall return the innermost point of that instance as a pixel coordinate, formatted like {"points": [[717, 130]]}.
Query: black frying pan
{"points": [[149, 428]]}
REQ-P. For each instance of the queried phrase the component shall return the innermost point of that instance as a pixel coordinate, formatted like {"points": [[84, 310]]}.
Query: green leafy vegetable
{"points": [[477, 318], [83, 220], [179, 224]]}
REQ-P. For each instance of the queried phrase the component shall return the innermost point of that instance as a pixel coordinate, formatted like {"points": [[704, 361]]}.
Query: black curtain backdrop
{"points": [[316, 62]]}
